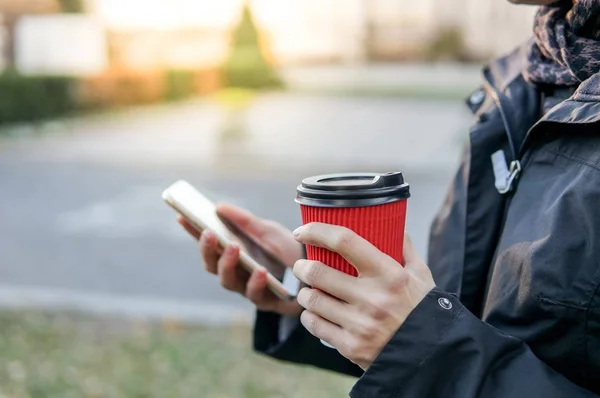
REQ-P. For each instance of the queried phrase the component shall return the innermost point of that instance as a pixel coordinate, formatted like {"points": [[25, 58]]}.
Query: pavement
{"points": [[384, 77], [82, 224]]}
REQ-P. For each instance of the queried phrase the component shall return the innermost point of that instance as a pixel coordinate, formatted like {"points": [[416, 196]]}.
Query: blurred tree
{"points": [[72, 6], [448, 44], [370, 31], [179, 84], [246, 65]]}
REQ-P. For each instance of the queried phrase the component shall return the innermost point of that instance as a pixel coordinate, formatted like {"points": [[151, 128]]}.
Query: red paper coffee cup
{"points": [[371, 204]]}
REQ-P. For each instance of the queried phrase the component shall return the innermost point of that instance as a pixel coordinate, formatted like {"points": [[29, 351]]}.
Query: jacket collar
{"points": [[521, 100]]}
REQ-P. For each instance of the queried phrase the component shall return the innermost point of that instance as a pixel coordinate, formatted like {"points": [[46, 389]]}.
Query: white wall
{"points": [[60, 45]]}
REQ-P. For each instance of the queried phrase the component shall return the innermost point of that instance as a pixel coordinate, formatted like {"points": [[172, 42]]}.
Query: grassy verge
{"points": [[67, 355]]}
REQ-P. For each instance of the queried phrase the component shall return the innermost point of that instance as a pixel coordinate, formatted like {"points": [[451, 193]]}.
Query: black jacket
{"points": [[522, 270]]}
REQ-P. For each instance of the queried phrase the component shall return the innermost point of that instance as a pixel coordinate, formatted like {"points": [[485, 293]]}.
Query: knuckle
{"points": [[252, 293], [223, 265], [309, 227], [367, 330], [379, 308], [313, 300], [313, 271], [203, 246], [345, 240], [398, 280]]}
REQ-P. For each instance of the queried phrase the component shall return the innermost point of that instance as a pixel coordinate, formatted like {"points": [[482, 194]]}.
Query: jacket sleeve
{"points": [[443, 350], [286, 339]]}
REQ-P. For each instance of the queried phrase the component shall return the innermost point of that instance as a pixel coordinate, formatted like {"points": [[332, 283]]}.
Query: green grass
{"points": [[69, 356]]}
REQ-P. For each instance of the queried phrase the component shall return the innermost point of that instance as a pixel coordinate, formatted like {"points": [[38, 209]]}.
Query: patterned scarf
{"points": [[566, 49]]}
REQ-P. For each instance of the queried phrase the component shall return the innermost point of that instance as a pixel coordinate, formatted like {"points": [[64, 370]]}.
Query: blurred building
{"points": [[148, 49], [191, 34], [403, 29], [494, 27], [18, 7], [10, 12], [305, 31]]}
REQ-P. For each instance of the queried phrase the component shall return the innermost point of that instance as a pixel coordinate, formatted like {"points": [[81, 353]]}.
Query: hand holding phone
{"points": [[267, 243]]}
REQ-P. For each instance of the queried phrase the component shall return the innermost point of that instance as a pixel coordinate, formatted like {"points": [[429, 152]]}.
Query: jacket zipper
{"points": [[514, 168]]}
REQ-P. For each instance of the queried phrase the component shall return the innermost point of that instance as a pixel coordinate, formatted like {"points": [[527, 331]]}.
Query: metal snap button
{"points": [[445, 303], [477, 97]]}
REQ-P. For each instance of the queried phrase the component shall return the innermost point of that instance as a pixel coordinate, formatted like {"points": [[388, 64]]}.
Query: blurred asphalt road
{"points": [[82, 223]]}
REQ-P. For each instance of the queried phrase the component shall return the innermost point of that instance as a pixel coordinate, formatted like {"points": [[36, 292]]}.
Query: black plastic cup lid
{"points": [[352, 189]]}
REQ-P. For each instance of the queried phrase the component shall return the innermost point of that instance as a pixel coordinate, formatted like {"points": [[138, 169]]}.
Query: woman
{"points": [[511, 307]]}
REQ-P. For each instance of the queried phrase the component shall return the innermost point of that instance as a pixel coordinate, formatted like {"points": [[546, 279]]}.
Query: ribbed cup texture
{"points": [[382, 225]]}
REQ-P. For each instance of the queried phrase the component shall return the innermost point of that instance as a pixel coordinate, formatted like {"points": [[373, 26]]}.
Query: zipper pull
{"points": [[505, 176]]}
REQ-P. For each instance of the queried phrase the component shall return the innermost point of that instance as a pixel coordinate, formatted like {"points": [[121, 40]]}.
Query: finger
{"points": [[227, 269], [365, 257], [259, 294], [189, 228], [322, 329], [327, 307], [209, 250], [331, 281], [257, 287], [243, 219]]}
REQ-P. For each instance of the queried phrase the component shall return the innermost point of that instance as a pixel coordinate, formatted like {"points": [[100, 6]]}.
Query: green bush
{"points": [[179, 84], [29, 99]]}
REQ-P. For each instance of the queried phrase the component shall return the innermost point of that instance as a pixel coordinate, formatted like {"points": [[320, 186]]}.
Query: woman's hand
{"points": [[224, 263], [358, 315]]}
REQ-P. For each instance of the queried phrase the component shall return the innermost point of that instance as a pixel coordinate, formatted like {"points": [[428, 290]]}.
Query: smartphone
{"points": [[201, 213]]}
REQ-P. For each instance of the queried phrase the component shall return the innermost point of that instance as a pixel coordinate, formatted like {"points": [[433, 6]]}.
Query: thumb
{"points": [[412, 259], [242, 219], [409, 251]]}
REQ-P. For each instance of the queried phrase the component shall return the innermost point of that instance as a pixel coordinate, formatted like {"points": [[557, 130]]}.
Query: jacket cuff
{"points": [[411, 347]]}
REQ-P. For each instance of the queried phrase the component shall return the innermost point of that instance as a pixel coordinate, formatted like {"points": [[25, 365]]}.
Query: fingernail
{"points": [[297, 232]]}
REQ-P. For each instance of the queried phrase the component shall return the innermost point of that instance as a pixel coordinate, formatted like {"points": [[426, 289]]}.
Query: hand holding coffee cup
{"points": [[370, 204], [354, 233]]}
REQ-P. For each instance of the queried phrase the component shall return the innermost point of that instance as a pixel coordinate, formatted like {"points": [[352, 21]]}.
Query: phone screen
{"points": [[257, 252]]}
